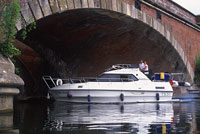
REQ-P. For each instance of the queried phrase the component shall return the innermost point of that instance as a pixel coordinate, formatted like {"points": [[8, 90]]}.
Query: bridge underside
{"points": [[84, 42]]}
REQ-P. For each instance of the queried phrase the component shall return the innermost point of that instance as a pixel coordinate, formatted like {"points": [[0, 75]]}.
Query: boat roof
{"points": [[121, 66]]}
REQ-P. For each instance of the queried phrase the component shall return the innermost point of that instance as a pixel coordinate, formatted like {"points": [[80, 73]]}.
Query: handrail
{"points": [[88, 79], [45, 78], [83, 80]]}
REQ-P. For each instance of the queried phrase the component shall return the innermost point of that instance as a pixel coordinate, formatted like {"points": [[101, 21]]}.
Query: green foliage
{"points": [[27, 29], [197, 71], [17, 70], [9, 15]]}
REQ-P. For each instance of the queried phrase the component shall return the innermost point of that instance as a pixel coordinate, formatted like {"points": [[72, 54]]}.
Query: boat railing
{"points": [[49, 81], [52, 82]]}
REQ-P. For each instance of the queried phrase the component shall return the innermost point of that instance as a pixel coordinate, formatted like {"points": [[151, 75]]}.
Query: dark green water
{"points": [[141, 118]]}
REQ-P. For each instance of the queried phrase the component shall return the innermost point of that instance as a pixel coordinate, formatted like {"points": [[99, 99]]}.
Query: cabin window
{"points": [[124, 78], [159, 15], [109, 78], [117, 78], [130, 76], [137, 5], [160, 87]]}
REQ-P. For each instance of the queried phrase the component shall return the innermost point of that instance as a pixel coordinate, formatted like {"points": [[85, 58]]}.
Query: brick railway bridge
{"points": [[83, 37]]}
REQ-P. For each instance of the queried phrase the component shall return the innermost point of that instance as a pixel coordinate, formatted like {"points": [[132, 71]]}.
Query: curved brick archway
{"points": [[38, 9]]}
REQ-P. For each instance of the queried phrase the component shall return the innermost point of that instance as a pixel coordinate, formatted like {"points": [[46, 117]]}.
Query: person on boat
{"points": [[141, 65], [146, 68]]}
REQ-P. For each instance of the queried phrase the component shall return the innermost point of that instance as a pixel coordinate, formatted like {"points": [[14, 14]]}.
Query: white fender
{"points": [[175, 83], [59, 82], [187, 84]]}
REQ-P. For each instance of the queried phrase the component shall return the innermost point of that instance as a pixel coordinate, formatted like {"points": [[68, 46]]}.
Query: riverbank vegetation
{"points": [[197, 71], [9, 16], [10, 13]]}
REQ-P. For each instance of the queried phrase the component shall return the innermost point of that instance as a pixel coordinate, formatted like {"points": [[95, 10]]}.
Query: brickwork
{"points": [[176, 9], [188, 37]]}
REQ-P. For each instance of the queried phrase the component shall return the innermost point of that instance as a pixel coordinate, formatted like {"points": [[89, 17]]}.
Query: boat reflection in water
{"points": [[137, 118]]}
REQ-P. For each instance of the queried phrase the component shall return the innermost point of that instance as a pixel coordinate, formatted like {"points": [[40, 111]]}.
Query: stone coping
{"points": [[10, 80], [9, 91], [6, 111]]}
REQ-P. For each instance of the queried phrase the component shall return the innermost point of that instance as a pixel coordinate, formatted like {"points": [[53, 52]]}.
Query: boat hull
{"points": [[112, 96]]}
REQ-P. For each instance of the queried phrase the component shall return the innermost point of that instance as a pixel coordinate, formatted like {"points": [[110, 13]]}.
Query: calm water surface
{"points": [[140, 118]]}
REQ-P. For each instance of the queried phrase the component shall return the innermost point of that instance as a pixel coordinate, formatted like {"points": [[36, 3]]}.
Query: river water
{"points": [[138, 118]]}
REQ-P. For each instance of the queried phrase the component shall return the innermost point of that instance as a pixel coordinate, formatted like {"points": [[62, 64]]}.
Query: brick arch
{"points": [[38, 9]]}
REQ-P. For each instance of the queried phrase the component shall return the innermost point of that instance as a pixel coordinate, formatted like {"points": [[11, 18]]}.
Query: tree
{"points": [[9, 15]]}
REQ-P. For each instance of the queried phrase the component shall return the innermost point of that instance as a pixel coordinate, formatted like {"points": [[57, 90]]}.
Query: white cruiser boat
{"points": [[122, 83]]}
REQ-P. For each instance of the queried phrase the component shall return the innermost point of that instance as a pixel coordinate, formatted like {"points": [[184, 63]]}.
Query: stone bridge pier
{"points": [[9, 85]]}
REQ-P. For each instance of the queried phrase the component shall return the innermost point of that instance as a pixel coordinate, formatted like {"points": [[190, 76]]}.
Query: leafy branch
{"points": [[9, 15]]}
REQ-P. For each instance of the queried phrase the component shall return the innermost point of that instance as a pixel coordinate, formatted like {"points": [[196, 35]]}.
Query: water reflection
{"points": [[128, 118], [139, 118], [187, 116], [29, 118]]}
